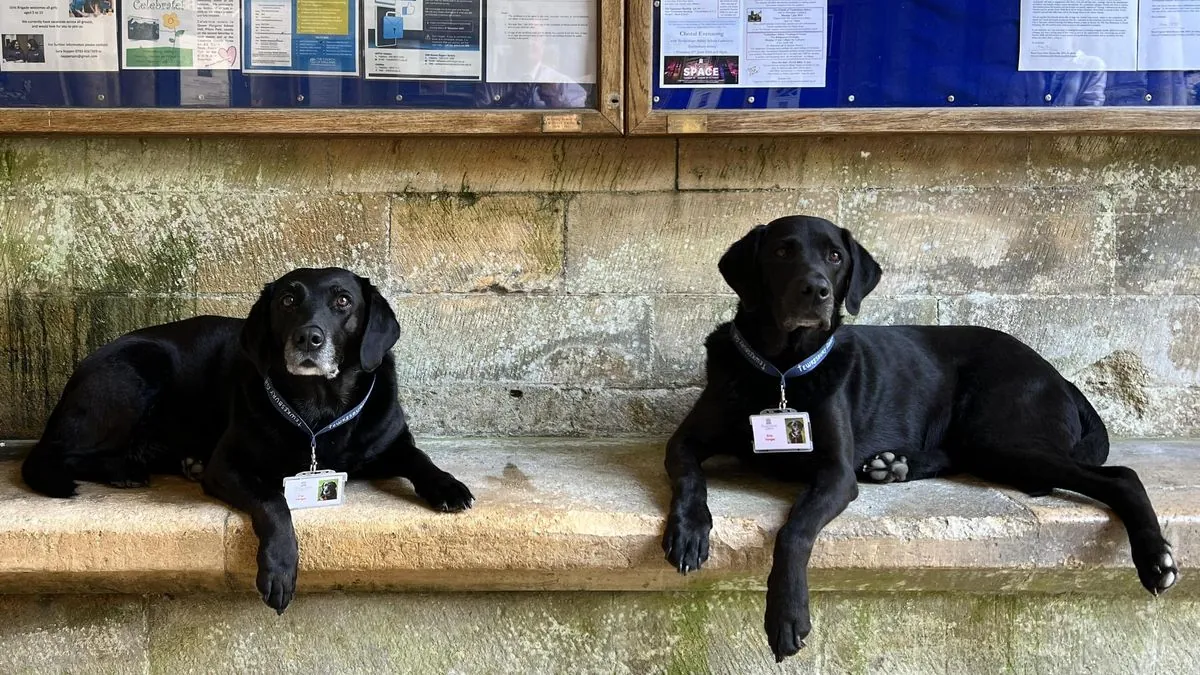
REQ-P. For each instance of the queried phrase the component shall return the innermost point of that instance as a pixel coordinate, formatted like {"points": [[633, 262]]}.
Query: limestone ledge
{"points": [[569, 514]]}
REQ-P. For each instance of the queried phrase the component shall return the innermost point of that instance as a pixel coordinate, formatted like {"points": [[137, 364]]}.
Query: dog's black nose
{"points": [[309, 338], [817, 287]]}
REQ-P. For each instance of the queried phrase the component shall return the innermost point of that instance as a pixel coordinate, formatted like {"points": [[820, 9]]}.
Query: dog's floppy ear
{"points": [[256, 331], [382, 329], [739, 266], [864, 273]]}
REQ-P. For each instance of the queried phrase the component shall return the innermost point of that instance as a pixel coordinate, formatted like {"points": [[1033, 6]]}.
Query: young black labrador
{"points": [[196, 393], [886, 403]]}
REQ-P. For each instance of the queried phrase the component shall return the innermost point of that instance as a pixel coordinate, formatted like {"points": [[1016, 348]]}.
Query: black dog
{"points": [[195, 391], [886, 403]]}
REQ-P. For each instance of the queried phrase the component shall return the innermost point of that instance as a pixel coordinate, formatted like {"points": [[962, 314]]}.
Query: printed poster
{"points": [[743, 43], [181, 34], [301, 37], [1067, 35], [541, 41], [1168, 35], [59, 35], [423, 39]]}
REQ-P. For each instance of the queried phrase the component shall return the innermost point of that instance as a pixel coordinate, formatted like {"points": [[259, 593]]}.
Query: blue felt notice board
{"points": [[932, 54]]}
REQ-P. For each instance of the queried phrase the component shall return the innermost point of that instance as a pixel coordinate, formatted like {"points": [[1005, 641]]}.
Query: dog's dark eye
{"points": [[287, 300], [782, 252], [835, 257], [343, 301]]}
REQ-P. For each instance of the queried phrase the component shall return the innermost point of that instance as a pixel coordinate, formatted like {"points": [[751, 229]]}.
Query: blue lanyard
{"points": [[286, 410], [803, 368]]}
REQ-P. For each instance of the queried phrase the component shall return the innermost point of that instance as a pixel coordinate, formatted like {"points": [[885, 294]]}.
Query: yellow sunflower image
{"points": [[170, 21]]}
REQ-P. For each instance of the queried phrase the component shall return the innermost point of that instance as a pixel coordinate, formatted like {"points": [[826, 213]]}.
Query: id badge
{"points": [[313, 489], [781, 431]]}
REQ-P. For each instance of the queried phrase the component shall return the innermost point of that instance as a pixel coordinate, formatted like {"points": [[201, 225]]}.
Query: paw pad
{"points": [[193, 469], [886, 467]]}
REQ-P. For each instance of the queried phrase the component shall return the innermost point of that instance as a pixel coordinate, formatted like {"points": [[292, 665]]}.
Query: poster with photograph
{"points": [[181, 35], [301, 37], [747, 43], [423, 39], [59, 35]]}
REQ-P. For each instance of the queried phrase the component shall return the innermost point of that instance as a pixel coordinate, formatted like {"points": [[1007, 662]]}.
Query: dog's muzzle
{"points": [[310, 353]]}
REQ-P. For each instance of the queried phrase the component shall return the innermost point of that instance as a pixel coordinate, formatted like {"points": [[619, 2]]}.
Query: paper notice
{"points": [[722, 43], [59, 35], [1169, 35], [182, 34], [543, 41], [301, 37], [1078, 35], [423, 39]]}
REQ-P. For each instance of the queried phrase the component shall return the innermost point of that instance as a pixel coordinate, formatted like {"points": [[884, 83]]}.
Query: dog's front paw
{"points": [[787, 622], [277, 563], [446, 493], [686, 539], [1157, 568]]}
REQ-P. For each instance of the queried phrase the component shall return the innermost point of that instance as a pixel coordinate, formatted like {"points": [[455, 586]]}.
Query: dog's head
{"points": [[800, 269], [318, 322]]}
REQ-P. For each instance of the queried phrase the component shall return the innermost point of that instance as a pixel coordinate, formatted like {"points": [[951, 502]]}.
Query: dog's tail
{"points": [[1092, 447], [46, 471]]}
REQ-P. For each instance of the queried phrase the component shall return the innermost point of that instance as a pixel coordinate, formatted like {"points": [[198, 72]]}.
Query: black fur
{"points": [[947, 399], [194, 389]]}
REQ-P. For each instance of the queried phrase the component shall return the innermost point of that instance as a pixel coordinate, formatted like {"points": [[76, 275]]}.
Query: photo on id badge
{"points": [[327, 490], [781, 431]]}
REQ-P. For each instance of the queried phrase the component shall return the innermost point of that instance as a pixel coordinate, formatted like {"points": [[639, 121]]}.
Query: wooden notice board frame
{"points": [[643, 120], [607, 118]]}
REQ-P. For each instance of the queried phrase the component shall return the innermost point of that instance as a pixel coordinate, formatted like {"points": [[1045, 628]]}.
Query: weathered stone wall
{"points": [[563, 632], [563, 286]]}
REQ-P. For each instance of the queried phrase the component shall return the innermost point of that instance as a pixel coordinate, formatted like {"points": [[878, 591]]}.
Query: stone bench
{"points": [[567, 514], [160, 580]]}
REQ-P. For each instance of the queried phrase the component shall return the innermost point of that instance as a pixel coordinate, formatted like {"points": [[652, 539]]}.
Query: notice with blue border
{"points": [[301, 37]]}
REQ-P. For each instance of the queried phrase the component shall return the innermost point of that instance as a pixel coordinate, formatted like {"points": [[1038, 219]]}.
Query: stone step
{"points": [[569, 514]]}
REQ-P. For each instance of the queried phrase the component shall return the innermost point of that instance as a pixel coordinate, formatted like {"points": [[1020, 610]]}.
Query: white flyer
{"points": [[181, 34], [743, 43], [541, 41], [1169, 35], [423, 39], [59, 35], [1071, 35]]}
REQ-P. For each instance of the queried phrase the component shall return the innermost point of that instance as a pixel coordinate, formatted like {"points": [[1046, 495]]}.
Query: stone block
{"points": [[527, 339], [1000, 241], [243, 243], [501, 242], [73, 634], [137, 243], [117, 540], [195, 166], [1158, 244], [1070, 332], [35, 243], [1131, 163], [1141, 342], [177, 243], [43, 165], [891, 161], [521, 409], [476, 165], [37, 355], [668, 242]]}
